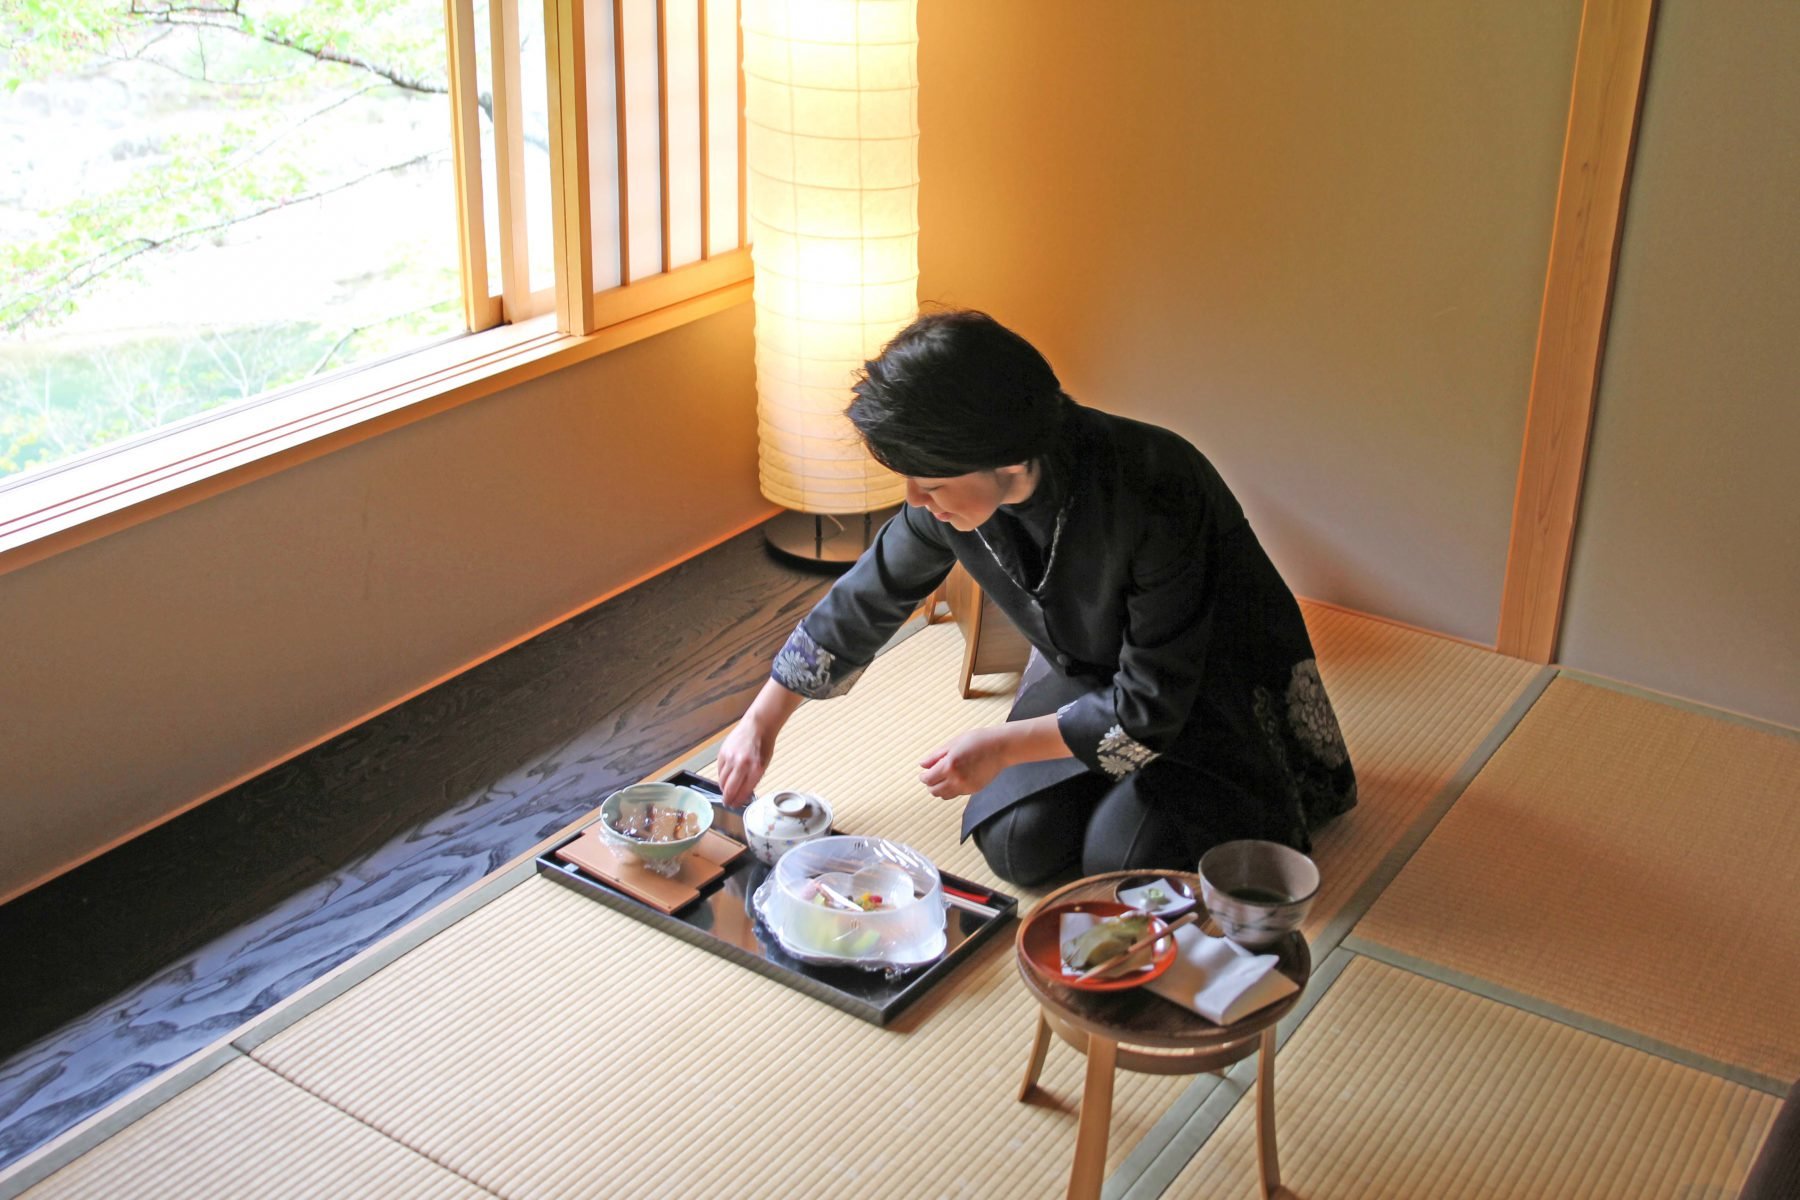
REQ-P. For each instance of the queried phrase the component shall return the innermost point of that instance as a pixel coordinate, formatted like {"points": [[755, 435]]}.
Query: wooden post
{"points": [[662, 121], [705, 136], [565, 52], [479, 311], [1610, 62], [509, 162], [743, 162], [624, 127]]}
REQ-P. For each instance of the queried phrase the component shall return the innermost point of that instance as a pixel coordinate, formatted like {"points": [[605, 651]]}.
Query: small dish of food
{"points": [[1163, 895], [1066, 943]]}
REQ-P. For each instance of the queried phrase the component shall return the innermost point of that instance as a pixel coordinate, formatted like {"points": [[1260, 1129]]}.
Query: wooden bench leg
{"points": [[1267, 1162], [1040, 1046], [1089, 1171]]}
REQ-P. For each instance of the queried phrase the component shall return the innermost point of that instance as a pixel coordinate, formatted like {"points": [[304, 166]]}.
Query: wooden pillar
{"points": [[1610, 62]]}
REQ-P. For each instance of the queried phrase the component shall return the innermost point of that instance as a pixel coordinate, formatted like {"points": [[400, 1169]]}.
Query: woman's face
{"points": [[965, 502]]}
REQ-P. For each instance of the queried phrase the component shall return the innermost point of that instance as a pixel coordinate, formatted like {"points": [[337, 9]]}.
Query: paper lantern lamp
{"points": [[832, 137]]}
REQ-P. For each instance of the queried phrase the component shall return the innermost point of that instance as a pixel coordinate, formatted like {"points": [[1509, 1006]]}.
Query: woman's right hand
{"points": [[750, 745], [743, 758]]}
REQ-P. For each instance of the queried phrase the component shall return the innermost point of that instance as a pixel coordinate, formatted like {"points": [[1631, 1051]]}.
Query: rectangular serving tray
{"points": [[723, 922]]}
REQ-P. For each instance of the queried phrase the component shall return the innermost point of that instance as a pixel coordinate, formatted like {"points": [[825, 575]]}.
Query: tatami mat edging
{"points": [[245, 1132], [1401, 1085], [1623, 858], [1698, 707], [1526, 1002], [1392, 863], [1158, 1166], [129, 1109]]}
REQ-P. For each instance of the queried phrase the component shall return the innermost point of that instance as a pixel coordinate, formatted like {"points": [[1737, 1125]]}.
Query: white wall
{"points": [[1686, 570]]}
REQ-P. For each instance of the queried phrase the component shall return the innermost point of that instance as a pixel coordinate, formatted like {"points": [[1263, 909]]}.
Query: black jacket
{"points": [[1155, 598]]}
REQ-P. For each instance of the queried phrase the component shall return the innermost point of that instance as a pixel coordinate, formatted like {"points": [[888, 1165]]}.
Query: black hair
{"points": [[956, 392]]}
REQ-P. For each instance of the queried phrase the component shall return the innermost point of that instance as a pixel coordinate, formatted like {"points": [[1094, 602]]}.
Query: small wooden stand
{"points": [[665, 893], [1139, 1031]]}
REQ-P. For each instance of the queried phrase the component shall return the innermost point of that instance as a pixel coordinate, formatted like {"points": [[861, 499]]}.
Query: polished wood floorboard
{"points": [[126, 965]]}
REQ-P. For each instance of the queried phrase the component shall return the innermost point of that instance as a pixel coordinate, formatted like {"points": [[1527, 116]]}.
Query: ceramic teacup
{"points": [[1257, 891]]}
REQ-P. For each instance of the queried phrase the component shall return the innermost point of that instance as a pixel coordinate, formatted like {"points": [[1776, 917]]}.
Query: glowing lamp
{"points": [[831, 143]]}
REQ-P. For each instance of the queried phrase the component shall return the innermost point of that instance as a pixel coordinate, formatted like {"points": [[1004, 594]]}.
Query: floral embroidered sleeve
{"points": [[837, 641], [1122, 727]]}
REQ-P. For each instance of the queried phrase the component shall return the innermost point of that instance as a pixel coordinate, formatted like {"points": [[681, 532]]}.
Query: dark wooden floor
{"points": [[121, 968]]}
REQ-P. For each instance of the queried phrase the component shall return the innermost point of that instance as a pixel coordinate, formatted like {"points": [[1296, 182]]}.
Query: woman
{"points": [[1171, 701]]}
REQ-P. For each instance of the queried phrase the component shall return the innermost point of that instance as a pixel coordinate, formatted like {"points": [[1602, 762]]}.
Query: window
{"points": [[234, 215]]}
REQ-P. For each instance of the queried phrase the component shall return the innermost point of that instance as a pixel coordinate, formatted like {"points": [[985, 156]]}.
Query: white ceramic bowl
{"points": [[905, 932], [1257, 891]]}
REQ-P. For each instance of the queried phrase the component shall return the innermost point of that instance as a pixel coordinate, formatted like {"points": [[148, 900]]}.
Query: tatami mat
{"points": [[861, 751], [1628, 860], [1399, 1086], [242, 1133], [547, 1046]]}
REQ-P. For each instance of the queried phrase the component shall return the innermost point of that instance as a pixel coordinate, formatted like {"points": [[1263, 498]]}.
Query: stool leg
{"points": [[1040, 1046], [1089, 1171], [1267, 1162]]}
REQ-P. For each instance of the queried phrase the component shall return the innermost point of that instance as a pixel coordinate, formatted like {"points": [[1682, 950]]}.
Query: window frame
{"points": [[514, 335]]}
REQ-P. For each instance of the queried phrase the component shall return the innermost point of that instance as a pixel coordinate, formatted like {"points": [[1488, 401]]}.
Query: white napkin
{"points": [[1218, 979]]}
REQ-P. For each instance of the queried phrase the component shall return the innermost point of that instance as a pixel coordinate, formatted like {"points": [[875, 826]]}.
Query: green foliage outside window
{"points": [[246, 122]]}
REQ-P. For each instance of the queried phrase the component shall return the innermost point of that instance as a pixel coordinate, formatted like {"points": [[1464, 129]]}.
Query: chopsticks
{"points": [[839, 899], [1119, 959]]}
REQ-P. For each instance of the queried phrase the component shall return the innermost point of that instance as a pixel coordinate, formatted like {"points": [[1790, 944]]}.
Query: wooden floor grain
{"points": [[124, 966]]}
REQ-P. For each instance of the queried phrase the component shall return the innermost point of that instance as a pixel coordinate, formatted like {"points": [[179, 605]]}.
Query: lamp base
{"points": [[822, 542]]}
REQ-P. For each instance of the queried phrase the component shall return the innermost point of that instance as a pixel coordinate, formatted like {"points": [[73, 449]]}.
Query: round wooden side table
{"points": [[1137, 1030]]}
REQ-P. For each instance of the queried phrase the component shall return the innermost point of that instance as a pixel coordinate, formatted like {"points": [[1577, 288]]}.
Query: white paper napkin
{"points": [[1218, 979]]}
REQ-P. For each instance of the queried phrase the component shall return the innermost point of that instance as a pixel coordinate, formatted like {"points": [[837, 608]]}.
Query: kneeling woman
{"points": [[1171, 702]]}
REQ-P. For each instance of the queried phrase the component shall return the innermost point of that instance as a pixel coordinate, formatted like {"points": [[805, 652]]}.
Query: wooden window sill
{"points": [[61, 507]]}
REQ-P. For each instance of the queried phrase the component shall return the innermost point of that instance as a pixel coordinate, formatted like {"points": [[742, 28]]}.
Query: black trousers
{"points": [[1037, 822], [1091, 823]]}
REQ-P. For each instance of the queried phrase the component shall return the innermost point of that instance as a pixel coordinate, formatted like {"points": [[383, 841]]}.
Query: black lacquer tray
{"points": [[723, 921]]}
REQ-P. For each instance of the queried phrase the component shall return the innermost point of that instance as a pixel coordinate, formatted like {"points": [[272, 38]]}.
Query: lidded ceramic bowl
{"points": [[777, 822], [812, 902]]}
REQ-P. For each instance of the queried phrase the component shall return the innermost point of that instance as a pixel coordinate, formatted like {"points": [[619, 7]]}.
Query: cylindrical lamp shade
{"points": [[832, 141]]}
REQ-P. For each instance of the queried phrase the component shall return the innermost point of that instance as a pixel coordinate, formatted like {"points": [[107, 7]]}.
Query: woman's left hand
{"points": [[967, 762]]}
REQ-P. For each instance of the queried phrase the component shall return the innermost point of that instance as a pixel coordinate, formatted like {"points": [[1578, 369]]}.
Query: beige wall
{"points": [[1311, 237], [1686, 570], [152, 667]]}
